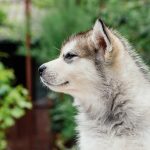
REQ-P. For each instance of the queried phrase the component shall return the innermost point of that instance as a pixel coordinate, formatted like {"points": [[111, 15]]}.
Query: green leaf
{"points": [[17, 112], [9, 122]]}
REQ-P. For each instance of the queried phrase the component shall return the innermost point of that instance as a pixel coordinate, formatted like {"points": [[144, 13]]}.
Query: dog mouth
{"points": [[55, 85]]}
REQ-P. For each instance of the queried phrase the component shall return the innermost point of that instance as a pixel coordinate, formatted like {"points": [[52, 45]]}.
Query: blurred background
{"points": [[31, 32]]}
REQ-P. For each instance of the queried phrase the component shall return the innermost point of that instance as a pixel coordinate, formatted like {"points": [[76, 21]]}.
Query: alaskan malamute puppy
{"points": [[110, 86]]}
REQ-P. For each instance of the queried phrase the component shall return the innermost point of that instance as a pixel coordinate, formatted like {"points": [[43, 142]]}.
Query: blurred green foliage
{"points": [[2, 17], [62, 115], [13, 102], [44, 3], [11, 22]]}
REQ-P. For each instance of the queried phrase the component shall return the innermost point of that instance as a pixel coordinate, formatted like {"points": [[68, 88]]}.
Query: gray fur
{"points": [[110, 84], [114, 120]]}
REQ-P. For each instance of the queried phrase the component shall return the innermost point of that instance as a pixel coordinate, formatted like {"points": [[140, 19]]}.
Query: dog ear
{"points": [[101, 38]]}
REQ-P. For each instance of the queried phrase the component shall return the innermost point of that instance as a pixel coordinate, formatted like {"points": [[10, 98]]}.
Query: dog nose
{"points": [[41, 69]]}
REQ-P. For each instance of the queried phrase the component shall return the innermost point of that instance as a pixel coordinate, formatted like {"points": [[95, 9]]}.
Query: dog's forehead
{"points": [[80, 43], [69, 46]]}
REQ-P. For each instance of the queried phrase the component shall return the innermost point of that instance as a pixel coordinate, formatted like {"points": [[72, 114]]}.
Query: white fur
{"points": [[85, 85]]}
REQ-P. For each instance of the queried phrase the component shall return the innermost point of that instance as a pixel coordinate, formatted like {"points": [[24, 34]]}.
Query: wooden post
{"points": [[28, 47]]}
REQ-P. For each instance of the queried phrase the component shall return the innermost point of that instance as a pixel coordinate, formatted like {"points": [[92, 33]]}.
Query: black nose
{"points": [[41, 69]]}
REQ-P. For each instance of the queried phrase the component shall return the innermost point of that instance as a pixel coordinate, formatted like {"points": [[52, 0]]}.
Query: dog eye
{"points": [[70, 56]]}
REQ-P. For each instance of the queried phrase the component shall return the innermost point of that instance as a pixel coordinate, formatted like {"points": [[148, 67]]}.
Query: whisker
{"points": [[56, 48]]}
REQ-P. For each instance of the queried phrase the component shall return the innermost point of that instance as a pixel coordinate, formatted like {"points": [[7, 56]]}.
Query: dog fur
{"points": [[110, 86]]}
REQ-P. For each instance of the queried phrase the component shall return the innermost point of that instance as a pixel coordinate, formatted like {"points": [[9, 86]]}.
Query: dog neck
{"points": [[110, 108]]}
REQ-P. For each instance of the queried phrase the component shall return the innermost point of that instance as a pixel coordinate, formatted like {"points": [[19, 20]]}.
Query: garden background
{"points": [[31, 116]]}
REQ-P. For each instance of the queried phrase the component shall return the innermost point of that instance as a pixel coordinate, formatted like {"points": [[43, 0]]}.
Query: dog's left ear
{"points": [[100, 37]]}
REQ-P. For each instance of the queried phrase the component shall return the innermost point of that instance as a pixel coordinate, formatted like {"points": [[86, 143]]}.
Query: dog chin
{"points": [[55, 87], [61, 89]]}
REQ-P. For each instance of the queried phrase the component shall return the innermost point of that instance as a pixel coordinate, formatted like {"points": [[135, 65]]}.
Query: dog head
{"points": [[82, 62]]}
